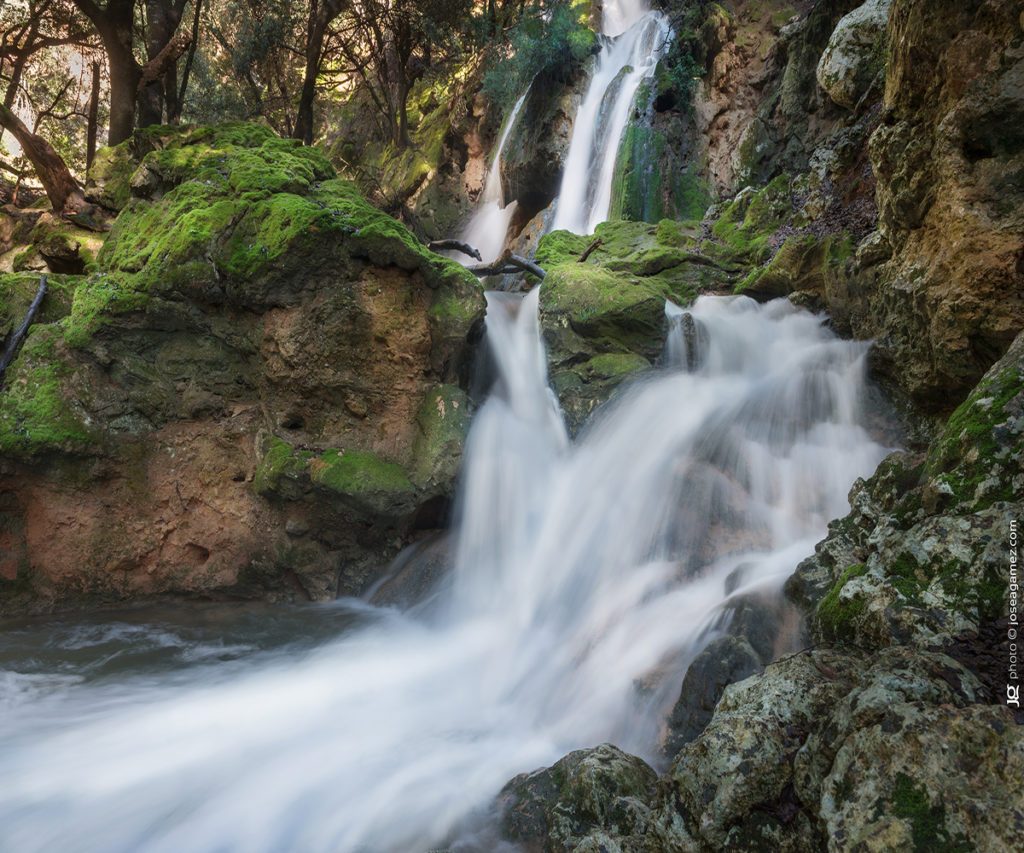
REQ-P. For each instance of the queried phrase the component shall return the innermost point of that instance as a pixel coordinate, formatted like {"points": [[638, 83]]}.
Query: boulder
{"points": [[854, 55], [257, 351]]}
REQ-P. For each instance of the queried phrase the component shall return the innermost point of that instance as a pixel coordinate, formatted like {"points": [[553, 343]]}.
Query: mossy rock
{"points": [[979, 456], [360, 479], [443, 423], [17, 290], [838, 611], [805, 263], [36, 410], [242, 216], [748, 222]]}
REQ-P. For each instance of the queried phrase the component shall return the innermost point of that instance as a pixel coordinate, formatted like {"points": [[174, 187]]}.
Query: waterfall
{"points": [[583, 570], [631, 44], [488, 227]]}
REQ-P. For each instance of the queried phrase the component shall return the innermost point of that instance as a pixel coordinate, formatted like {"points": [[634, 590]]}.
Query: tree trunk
{"points": [[115, 22], [124, 81], [320, 17], [161, 24], [61, 188], [93, 118], [173, 117]]}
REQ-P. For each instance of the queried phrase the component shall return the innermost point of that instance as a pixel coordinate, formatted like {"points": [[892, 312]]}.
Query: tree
{"points": [[387, 44], [62, 189], [321, 14], [114, 23]]}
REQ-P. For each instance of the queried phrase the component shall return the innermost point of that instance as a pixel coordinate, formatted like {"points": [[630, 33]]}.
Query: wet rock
{"points": [[919, 559], [593, 799]]}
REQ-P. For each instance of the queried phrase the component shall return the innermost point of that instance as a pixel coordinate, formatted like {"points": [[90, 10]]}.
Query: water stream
{"points": [[583, 569], [632, 41], [587, 574], [487, 229]]}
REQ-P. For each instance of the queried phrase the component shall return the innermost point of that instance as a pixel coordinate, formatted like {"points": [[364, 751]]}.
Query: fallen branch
{"points": [[506, 264], [17, 337], [455, 245], [590, 250]]}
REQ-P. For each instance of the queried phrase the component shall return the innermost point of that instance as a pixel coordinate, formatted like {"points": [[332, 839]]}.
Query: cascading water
{"points": [[488, 228], [633, 40], [583, 569]]}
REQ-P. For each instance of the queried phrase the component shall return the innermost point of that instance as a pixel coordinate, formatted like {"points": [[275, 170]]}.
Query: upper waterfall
{"points": [[488, 227], [632, 42]]}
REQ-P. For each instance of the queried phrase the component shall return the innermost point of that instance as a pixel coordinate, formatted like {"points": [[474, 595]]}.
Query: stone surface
{"points": [[854, 55], [258, 352]]}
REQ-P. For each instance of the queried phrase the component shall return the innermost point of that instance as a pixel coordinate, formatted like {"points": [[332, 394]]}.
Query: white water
{"points": [[487, 230], [632, 42], [583, 570]]}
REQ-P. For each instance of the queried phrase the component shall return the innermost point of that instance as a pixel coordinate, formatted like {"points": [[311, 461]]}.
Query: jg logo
{"points": [[1013, 695]]}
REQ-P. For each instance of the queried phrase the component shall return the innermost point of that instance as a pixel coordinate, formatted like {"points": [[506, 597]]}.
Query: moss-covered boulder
{"points": [[604, 319], [248, 298]]}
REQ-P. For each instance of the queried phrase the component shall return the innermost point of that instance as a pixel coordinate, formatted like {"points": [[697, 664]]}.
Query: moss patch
{"points": [[835, 613], [34, 412], [910, 802], [358, 472]]}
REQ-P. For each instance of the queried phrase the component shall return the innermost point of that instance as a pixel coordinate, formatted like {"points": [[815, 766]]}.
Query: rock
{"points": [[593, 799], [531, 167], [919, 560], [948, 302], [256, 346], [604, 320], [854, 55]]}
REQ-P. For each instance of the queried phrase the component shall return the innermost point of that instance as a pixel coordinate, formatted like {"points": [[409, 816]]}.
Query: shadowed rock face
{"points": [[946, 299], [257, 390]]}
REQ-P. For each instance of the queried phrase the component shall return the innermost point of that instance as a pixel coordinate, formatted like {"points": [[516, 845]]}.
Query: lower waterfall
{"points": [[584, 569]]}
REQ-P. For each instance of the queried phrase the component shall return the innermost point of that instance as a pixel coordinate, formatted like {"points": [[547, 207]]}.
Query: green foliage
{"points": [[539, 44]]}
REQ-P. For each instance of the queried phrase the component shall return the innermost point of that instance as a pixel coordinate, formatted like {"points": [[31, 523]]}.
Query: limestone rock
{"points": [[256, 346], [593, 799], [854, 55]]}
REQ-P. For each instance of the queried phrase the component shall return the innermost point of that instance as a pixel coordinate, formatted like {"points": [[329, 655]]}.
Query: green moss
{"points": [[907, 577], [969, 451], [17, 290], [835, 613], [96, 299], [233, 210], [910, 802], [615, 365], [34, 413], [112, 170], [279, 460], [443, 422], [747, 223], [358, 472]]}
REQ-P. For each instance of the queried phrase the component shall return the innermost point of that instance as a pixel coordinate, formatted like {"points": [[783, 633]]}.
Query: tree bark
{"points": [[61, 188], [320, 16], [11, 350], [115, 23], [93, 118], [174, 116]]}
